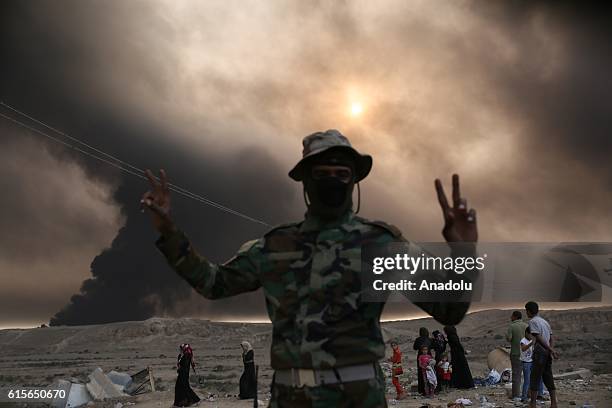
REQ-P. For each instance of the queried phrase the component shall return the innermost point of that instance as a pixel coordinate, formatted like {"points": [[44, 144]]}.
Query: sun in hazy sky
{"points": [[356, 108]]}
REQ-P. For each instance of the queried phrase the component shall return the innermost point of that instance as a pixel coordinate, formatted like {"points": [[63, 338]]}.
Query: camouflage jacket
{"points": [[310, 275]]}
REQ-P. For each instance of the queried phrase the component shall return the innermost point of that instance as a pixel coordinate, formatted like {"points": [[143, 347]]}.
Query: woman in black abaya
{"points": [[184, 396], [248, 386], [461, 376]]}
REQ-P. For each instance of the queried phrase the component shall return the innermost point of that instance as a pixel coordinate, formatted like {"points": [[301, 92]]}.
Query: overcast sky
{"points": [[514, 96]]}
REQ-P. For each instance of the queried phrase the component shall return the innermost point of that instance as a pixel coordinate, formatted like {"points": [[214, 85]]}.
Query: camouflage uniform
{"points": [[310, 275]]}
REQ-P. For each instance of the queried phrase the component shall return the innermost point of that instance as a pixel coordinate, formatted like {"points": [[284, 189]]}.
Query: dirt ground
{"points": [[39, 357]]}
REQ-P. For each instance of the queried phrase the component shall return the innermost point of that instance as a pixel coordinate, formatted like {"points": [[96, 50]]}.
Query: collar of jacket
{"points": [[314, 223]]}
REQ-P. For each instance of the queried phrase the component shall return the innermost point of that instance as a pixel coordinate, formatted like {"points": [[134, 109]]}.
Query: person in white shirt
{"points": [[526, 362]]}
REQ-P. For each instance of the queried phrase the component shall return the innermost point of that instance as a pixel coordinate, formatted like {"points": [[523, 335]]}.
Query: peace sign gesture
{"points": [[157, 201], [459, 223]]}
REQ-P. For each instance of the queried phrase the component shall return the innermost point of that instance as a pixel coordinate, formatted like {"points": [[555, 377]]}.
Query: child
{"points": [[432, 379], [424, 360], [397, 370], [444, 372], [526, 361]]}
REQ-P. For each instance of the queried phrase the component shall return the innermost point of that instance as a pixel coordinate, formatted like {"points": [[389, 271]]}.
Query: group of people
{"points": [[531, 356], [184, 396], [437, 371]]}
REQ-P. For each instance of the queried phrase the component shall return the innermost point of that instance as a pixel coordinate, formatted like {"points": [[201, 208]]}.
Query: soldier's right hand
{"points": [[157, 201]]}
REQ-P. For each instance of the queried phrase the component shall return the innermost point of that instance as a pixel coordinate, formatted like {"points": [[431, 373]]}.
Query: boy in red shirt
{"points": [[397, 370]]}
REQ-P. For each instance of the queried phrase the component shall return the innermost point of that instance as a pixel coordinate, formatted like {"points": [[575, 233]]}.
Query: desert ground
{"points": [[41, 356]]}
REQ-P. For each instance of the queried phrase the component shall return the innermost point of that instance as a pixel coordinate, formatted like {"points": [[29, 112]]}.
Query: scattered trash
{"points": [[484, 403], [493, 377], [463, 401], [140, 381]]}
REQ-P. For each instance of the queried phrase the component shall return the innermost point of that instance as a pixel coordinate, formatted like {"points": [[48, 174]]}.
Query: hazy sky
{"points": [[514, 96]]}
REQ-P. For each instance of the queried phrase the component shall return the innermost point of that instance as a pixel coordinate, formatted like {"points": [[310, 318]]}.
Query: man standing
{"points": [[543, 354], [516, 331], [326, 341]]}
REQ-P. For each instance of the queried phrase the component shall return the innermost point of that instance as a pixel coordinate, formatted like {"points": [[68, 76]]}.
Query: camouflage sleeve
{"points": [[213, 281]]}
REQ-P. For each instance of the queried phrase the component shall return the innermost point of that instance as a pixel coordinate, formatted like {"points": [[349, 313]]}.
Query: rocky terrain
{"points": [[41, 356]]}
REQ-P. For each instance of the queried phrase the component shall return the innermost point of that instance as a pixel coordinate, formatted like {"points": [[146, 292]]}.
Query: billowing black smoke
{"points": [[131, 280]]}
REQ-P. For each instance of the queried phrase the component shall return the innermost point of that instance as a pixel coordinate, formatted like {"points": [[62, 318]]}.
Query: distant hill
{"points": [[596, 321]]}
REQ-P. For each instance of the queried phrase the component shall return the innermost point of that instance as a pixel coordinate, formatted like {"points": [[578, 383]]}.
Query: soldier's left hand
{"points": [[459, 222]]}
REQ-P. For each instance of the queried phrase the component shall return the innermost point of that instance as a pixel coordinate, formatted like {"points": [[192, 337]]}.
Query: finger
{"points": [[472, 216], [151, 178], [456, 191], [164, 180], [442, 197], [148, 196], [462, 205], [153, 206]]}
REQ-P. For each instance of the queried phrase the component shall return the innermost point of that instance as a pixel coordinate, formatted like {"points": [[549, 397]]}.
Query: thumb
{"points": [[153, 206]]}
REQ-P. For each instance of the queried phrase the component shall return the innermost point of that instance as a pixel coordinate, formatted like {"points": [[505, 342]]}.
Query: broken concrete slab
{"points": [[583, 374], [78, 396], [75, 395], [101, 387], [123, 380], [64, 386]]}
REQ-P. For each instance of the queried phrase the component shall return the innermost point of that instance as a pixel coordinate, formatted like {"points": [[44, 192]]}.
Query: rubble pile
{"points": [[102, 386]]}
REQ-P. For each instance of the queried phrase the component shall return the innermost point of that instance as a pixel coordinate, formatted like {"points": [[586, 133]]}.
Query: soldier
{"points": [[326, 341]]}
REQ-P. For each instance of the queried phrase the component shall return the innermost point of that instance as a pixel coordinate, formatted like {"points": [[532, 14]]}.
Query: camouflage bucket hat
{"points": [[320, 142]]}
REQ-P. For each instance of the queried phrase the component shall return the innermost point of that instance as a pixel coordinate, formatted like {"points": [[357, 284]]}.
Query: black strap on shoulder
{"points": [[283, 226], [392, 229]]}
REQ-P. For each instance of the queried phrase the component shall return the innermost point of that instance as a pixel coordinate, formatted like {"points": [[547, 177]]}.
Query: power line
{"points": [[116, 162]]}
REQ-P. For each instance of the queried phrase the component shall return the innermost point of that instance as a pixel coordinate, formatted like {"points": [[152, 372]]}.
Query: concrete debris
{"points": [[101, 387], [76, 395], [64, 386], [123, 380]]}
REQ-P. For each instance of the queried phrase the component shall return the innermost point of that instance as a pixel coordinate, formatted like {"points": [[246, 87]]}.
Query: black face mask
{"points": [[329, 196]]}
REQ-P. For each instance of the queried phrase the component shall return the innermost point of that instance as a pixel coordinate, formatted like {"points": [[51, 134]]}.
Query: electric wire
{"points": [[116, 162]]}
